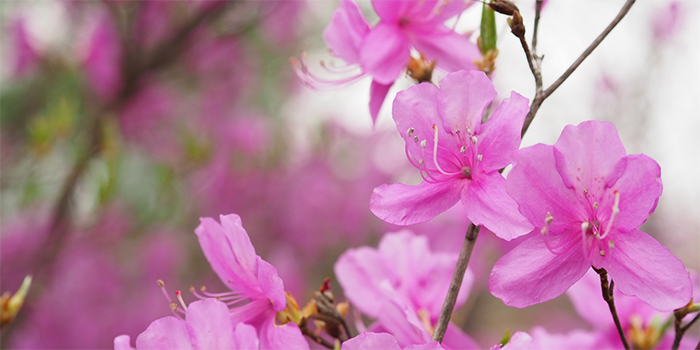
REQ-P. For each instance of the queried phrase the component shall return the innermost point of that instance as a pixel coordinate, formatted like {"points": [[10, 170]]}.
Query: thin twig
{"points": [[608, 297], [456, 283], [538, 10], [540, 95], [317, 338], [680, 330]]}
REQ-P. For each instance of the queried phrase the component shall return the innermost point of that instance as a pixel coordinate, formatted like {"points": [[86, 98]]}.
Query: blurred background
{"points": [[123, 122]]}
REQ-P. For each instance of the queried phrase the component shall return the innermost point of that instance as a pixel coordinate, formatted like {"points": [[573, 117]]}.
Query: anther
{"points": [[595, 206], [410, 131], [415, 139], [549, 218], [585, 191], [479, 157], [420, 162], [473, 138], [424, 143], [457, 131], [602, 253], [160, 283], [611, 244], [544, 230], [463, 149], [469, 131]]}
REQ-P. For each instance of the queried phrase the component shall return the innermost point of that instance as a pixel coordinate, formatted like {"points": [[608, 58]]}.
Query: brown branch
{"points": [[305, 331], [608, 297], [456, 283], [680, 330], [540, 96]]}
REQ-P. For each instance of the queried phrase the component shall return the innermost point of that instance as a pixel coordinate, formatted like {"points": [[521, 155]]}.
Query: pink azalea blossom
{"points": [[257, 291], [24, 55], [540, 339], [587, 197], [403, 284], [384, 51], [385, 341], [102, 58], [207, 325], [458, 156], [640, 322]]}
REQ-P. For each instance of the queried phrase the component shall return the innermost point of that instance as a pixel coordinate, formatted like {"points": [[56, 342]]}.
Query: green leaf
{"points": [[488, 30]]}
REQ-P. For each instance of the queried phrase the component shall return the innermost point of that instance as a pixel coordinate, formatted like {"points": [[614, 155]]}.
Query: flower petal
{"points": [[537, 187], [166, 333], [377, 94], [488, 204], [360, 272], [246, 337], [587, 156], [123, 342], [271, 284], [209, 325], [531, 274], [371, 341], [401, 204], [288, 336], [499, 138], [346, 32], [642, 267], [455, 338], [640, 188], [385, 53], [462, 98], [450, 51]]}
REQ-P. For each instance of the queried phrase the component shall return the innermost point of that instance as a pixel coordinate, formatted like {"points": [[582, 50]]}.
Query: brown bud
{"points": [[420, 69], [503, 6], [516, 25]]}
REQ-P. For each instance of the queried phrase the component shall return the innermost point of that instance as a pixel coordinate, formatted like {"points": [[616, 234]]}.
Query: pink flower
{"points": [[542, 340], [403, 284], [641, 323], [588, 199], [207, 326], [24, 55], [373, 341], [257, 291], [458, 157], [384, 51], [103, 58]]}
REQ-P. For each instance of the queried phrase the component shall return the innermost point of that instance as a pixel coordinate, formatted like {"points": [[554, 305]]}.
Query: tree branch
{"points": [[456, 283], [608, 297], [680, 330]]}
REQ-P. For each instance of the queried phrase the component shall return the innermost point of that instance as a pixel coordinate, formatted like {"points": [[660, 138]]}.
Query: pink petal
{"points": [[360, 272], [455, 338], [519, 341], [402, 321], [587, 156], [401, 204], [639, 188], [246, 337], [642, 267], [593, 310], [488, 204], [271, 284], [346, 32], [450, 51], [239, 241], [462, 98], [541, 339], [377, 94], [209, 325], [371, 341], [531, 274], [385, 53], [537, 187], [390, 10], [122, 342], [499, 138], [433, 345], [286, 336], [166, 333]]}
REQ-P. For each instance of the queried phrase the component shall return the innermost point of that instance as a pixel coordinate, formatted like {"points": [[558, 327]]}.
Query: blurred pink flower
{"points": [[384, 51], [458, 156], [587, 197], [207, 325], [667, 22], [24, 56], [543, 340], [102, 58], [257, 292], [374, 341], [403, 284]]}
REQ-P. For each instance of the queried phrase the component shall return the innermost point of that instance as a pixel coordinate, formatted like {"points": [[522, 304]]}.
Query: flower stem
{"points": [[680, 330], [456, 283], [608, 297]]}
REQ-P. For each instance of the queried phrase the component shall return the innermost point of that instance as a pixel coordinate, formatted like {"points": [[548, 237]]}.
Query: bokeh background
{"points": [[123, 122]]}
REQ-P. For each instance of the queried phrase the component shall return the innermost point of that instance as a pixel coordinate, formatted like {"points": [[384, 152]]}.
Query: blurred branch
{"points": [[541, 95], [678, 320], [456, 283], [608, 297]]}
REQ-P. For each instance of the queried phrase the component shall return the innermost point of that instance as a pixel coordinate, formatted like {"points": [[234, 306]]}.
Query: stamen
{"points": [[548, 220], [424, 143], [602, 253], [469, 131], [473, 138], [585, 191], [463, 149], [315, 82], [611, 244], [415, 139], [435, 147], [179, 298], [615, 212], [410, 132], [584, 229], [595, 205], [173, 305], [479, 157]]}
